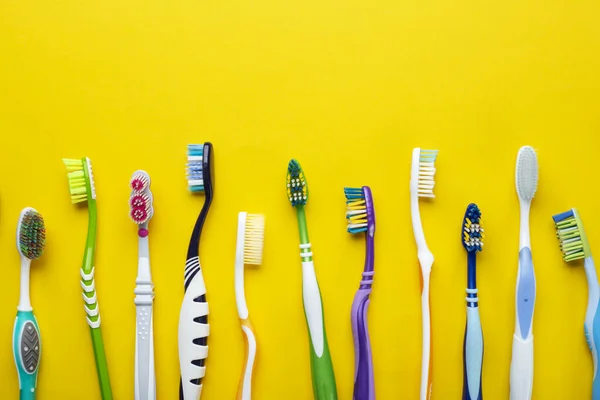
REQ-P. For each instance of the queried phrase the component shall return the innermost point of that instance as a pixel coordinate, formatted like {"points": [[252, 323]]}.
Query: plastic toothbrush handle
{"points": [[193, 332], [27, 349], [521, 368], [92, 310], [473, 356], [426, 378], [364, 382], [593, 341], [323, 377], [145, 380], [592, 321], [245, 387]]}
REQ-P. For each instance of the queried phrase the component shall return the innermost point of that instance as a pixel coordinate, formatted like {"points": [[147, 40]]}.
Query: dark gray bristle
{"points": [[32, 235]]}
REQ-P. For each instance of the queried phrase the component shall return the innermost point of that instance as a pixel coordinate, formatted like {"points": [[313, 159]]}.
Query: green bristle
{"points": [[77, 179], [32, 235]]}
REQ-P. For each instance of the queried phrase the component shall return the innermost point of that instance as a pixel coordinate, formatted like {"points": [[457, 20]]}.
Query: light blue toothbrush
{"points": [[574, 246]]}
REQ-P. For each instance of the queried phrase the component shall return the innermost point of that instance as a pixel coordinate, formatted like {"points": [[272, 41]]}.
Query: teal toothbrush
{"points": [[323, 377], [27, 347]]}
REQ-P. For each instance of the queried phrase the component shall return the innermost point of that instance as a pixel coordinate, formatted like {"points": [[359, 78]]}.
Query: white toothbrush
{"points": [[421, 185], [521, 367], [249, 249], [141, 210]]}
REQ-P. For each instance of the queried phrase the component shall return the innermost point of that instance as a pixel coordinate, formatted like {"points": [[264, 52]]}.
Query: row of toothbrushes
{"points": [[193, 325]]}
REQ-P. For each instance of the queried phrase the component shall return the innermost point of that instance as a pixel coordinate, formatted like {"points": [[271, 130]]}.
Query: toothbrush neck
{"points": [[24, 301], [370, 254], [524, 238]]}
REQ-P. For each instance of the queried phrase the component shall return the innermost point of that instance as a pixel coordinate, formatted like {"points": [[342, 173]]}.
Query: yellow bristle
{"points": [[254, 237], [76, 178]]}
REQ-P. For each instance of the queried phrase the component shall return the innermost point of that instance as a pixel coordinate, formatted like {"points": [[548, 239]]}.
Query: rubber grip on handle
{"points": [[364, 381], [245, 386], [521, 369], [27, 352], [323, 377], [473, 356], [593, 341]]}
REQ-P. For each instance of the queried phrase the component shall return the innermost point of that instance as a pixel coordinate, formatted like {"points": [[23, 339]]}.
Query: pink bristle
{"points": [[139, 182], [139, 215], [139, 201]]}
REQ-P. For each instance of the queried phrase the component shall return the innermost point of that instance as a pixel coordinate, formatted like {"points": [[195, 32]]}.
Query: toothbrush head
{"points": [[81, 179], [254, 238], [360, 213], [297, 188], [472, 229], [139, 181], [571, 235], [423, 172], [31, 234], [140, 202], [526, 173], [200, 167]]}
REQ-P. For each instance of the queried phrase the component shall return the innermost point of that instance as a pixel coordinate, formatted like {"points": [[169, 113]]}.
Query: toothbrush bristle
{"points": [[77, 170], [195, 173], [140, 202], [31, 234], [426, 181], [139, 182], [297, 188], [472, 232], [570, 233], [356, 210], [254, 236]]}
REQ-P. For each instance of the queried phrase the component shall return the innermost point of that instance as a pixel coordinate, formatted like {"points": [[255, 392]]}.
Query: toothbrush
{"points": [[360, 215], [81, 186], [141, 210], [421, 185], [521, 367], [27, 346], [472, 240], [249, 249], [193, 318], [323, 377], [575, 246]]}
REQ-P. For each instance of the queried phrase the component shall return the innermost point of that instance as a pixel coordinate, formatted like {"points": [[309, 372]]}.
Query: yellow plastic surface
{"points": [[349, 88]]}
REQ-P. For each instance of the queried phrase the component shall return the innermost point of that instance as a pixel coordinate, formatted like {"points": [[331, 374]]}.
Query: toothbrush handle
{"points": [[364, 382], [245, 387], [27, 350], [145, 381], [521, 368], [592, 321], [472, 356], [193, 332], [324, 387], [426, 378], [92, 310]]}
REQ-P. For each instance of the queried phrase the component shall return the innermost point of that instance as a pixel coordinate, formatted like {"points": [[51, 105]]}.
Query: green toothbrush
{"points": [[320, 359], [81, 186]]}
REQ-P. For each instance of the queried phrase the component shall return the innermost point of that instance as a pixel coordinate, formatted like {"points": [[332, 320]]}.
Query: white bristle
{"points": [[526, 173], [254, 236], [426, 181], [89, 165]]}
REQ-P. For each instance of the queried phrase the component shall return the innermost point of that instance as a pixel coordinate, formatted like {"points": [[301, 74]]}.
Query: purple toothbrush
{"points": [[360, 215]]}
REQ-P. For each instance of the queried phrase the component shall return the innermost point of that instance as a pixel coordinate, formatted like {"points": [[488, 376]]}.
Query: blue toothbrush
{"points": [[472, 240]]}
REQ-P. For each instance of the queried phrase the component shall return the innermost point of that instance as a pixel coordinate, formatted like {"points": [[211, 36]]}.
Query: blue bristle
{"points": [[353, 194], [194, 167], [357, 230], [428, 155], [562, 216]]}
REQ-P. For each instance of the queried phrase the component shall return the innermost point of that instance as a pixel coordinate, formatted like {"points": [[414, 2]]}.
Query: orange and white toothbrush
{"points": [[249, 249]]}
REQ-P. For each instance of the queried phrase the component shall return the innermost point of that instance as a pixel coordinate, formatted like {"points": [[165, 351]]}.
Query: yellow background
{"points": [[349, 88]]}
